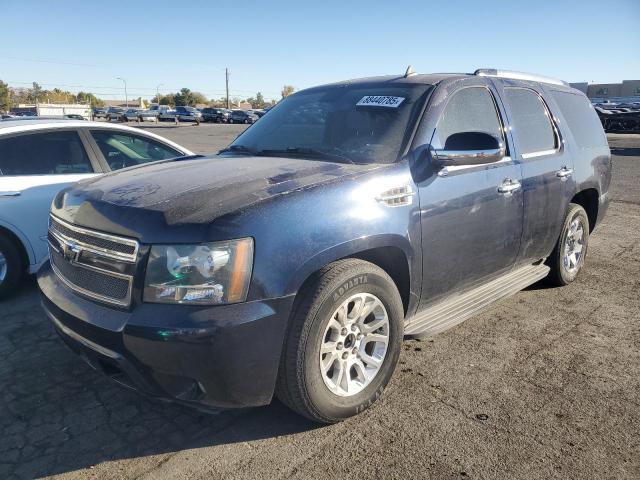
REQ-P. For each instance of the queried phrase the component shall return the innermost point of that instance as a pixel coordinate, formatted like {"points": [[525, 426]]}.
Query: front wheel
{"points": [[343, 342], [567, 258]]}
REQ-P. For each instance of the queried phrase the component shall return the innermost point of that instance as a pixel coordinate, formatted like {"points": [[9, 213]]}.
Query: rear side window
{"points": [[530, 122], [47, 153], [581, 119], [122, 150], [469, 110]]}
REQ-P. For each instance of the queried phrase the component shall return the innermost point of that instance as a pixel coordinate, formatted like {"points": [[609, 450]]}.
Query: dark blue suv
{"points": [[295, 261]]}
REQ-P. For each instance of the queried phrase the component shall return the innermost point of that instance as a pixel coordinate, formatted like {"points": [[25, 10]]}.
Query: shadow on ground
{"points": [[60, 416], [626, 151]]}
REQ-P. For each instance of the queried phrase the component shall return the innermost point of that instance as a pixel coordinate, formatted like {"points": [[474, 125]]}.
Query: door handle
{"points": [[564, 172], [509, 186], [10, 194]]}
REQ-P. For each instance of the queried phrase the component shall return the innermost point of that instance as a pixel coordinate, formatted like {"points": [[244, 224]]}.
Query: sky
{"points": [[86, 45]]}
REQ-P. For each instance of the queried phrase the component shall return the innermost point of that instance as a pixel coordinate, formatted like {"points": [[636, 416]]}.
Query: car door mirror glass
{"points": [[469, 148]]}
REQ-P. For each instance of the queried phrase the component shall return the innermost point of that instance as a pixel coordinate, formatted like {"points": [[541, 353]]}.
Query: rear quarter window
{"points": [[581, 119]]}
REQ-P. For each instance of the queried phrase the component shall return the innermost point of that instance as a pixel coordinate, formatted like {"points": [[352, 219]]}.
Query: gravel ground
{"points": [[544, 385]]}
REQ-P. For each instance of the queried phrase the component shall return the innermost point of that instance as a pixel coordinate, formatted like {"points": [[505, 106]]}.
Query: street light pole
{"points": [[158, 93], [126, 98]]}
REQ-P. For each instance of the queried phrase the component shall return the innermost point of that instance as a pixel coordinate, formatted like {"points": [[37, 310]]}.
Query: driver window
{"points": [[470, 109], [122, 150]]}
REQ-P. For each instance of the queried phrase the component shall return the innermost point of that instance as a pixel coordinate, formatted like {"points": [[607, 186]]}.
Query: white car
{"points": [[40, 157]]}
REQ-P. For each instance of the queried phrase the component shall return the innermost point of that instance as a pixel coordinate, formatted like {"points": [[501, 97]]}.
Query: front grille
{"points": [[91, 281], [98, 241], [74, 251]]}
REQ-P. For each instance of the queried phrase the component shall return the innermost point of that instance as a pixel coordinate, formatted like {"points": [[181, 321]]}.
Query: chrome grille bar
{"points": [[111, 246], [73, 251]]}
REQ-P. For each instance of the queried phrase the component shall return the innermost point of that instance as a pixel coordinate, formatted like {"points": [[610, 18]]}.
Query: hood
{"points": [[175, 194]]}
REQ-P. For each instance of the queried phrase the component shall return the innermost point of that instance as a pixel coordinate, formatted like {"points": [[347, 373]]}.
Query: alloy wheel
{"points": [[574, 246], [354, 344]]}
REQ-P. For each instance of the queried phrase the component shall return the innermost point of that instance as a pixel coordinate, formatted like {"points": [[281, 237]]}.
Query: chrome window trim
{"points": [[445, 171], [540, 153], [125, 257], [559, 140], [76, 288]]}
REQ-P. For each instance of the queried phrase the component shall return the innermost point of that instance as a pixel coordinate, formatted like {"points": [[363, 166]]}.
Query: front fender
{"points": [[349, 249]]}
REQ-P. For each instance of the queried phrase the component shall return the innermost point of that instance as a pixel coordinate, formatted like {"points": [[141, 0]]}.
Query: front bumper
{"points": [[221, 357]]}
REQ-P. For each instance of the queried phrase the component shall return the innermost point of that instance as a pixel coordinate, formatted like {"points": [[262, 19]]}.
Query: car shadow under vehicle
{"points": [[59, 415]]}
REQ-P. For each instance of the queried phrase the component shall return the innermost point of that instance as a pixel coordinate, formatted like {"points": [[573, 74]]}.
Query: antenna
{"points": [[409, 72]]}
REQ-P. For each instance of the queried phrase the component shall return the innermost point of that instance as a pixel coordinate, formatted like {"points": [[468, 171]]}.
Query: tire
{"points": [[246, 121], [301, 384], [11, 269], [567, 259]]}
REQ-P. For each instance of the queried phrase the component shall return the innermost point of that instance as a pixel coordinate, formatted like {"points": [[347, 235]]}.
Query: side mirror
{"points": [[469, 148]]}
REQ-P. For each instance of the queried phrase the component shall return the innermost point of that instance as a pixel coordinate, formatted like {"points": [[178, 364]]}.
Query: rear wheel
{"points": [[11, 267], [567, 258], [343, 342]]}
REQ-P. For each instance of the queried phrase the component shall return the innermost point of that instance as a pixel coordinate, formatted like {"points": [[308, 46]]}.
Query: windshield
{"points": [[354, 123]]}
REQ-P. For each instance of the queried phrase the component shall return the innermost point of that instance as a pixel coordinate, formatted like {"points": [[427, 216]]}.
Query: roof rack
{"points": [[493, 72]]}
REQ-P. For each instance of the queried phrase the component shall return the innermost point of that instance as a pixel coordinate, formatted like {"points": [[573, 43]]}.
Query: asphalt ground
{"points": [[545, 384]]}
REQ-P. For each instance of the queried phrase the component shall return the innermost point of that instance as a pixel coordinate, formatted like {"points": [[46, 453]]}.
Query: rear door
{"points": [[546, 163], [34, 167]]}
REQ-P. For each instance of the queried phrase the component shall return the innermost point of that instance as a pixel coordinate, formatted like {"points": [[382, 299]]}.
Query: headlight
{"points": [[208, 273]]}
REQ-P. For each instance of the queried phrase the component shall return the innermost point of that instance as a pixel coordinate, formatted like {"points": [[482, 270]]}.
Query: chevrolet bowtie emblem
{"points": [[71, 251]]}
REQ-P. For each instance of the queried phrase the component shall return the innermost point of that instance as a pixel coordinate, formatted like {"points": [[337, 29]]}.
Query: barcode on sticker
{"points": [[380, 101]]}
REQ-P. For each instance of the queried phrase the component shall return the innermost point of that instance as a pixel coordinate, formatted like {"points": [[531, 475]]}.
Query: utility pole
{"points": [[158, 93], [126, 98], [226, 74]]}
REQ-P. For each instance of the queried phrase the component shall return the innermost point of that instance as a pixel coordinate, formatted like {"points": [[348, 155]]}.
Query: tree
{"points": [[90, 98], [5, 97], [287, 90], [259, 101], [188, 98], [36, 92]]}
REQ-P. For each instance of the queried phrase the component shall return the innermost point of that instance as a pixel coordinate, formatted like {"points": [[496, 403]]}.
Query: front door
{"points": [[471, 223]]}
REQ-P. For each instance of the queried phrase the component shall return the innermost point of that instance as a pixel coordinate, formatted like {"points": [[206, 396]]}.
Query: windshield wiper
{"points": [[333, 154], [238, 149], [187, 157]]}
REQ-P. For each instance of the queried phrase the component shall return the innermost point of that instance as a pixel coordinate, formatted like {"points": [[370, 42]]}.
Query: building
{"points": [[628, 88]]}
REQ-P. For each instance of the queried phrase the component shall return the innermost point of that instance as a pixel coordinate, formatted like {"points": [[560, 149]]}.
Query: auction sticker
{"points": [[380, 101]]}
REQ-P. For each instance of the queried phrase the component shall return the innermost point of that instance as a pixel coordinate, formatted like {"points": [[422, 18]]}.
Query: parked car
{"points": [[74, 116], [624, 120], [114, 113], [38, 158], [351, 215], [187, 114], [259, 112], [242, 116], [99, 112], [138, 115], [157, 110], [217, 115]]}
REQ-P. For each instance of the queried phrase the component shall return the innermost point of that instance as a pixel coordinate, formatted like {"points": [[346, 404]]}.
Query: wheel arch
{"points": [[392, 253], [16, 239], [588, 199]]}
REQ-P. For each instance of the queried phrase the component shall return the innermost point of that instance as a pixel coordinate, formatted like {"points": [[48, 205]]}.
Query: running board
{"points": [[456, 309]]}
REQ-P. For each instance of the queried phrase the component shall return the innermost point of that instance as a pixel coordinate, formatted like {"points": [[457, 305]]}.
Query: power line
{"points": [[147, 91]]}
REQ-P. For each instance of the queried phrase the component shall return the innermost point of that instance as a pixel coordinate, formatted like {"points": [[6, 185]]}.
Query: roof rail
{"points": [[493, 72]]}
